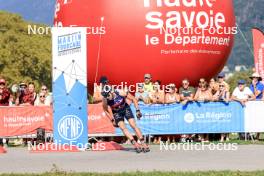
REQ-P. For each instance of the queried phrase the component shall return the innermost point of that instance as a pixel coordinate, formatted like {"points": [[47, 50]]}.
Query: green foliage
{"points": [[23, 57], [249, 14], [232, 81]]}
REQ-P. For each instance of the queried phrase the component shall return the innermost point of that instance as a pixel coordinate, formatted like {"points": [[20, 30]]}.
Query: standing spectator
{"points": [[148, 85], [97, 95], [141, 95], [28, 95], [4, 93], [157, 96], [221, 79], [222, 95], [242, 93], [42, 100], [203, 93], [46, 97], [4, 98], [256, 86], [186, 92], [213, 86], [172, 96]]}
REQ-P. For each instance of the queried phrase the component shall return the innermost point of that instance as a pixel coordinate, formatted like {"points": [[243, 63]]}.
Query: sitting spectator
{"points": [[148, 85], [242, 93], [222, 94], [221, 79], [203, 93], [4, 93], [44, 98], [157, 96], [213, 86], [141, 95], [186, 92], [256, 86], [172, 96], [27, 96]]}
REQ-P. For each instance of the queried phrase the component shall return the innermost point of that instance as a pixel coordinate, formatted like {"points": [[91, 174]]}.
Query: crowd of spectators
{"points": [[24, 95], [217, 89], [151, 92]]}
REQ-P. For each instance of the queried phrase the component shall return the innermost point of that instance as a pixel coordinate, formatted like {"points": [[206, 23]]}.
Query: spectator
{"points": [[4, 93], [256, 86], [97, 95], [172, 96], [222, 94], [157, 96], [242, 93], [203, 93], [141, 95], [221, 79], [28, 95], [43, 97], [213, 86], [186, 92], [42, 100], [148, 85]]}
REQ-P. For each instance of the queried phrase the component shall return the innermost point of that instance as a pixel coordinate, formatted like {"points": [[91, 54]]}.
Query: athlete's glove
{"points": [[138, 114]]}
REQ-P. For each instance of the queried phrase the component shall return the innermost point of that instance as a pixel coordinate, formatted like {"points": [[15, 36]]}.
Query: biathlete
{"points": [[117, 110]]}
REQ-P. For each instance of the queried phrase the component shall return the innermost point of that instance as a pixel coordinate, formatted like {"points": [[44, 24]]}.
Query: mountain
{"points": [[248, 14], [38, 11]]}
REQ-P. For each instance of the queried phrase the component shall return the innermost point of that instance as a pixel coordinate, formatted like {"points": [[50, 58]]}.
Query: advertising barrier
{"points": [[216, 117]]}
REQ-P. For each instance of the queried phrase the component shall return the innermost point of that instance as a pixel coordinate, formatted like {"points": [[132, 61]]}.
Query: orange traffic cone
{"points": [[2, 149]]}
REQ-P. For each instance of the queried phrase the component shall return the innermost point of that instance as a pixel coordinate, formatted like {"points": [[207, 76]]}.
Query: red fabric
{"points": [[258, 40]]}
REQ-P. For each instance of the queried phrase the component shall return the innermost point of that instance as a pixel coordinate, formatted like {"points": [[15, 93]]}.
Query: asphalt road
{"points": [[245, 158]]}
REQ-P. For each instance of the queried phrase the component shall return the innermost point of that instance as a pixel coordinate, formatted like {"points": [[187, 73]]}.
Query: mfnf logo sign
{"points": [[70, 127]]}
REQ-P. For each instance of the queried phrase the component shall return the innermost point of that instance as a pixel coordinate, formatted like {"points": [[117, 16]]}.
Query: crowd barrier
{"points": [[192, 118]]}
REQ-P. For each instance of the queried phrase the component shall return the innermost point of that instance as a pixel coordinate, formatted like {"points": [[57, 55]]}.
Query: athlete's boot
{"points": [[136, 146], [144, 146]]}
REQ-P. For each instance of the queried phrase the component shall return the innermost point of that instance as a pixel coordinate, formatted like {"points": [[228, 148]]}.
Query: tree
{"points": [[23, 57], [232, 81]]}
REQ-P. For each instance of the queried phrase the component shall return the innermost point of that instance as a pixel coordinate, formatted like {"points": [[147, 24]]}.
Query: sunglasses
{"points": [[44, 89], [2, 83], [221, 86], [42, 96], [147, 78]]}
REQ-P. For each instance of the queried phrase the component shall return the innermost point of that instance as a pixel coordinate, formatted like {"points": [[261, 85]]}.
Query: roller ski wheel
{"points": [[145, 148], [137, 148]]}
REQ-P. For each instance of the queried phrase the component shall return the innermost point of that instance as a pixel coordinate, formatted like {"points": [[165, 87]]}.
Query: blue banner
{"points": [[192, 118], [69, 86]]}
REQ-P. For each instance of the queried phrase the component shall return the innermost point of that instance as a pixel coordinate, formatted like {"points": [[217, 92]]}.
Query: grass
{"points": [[156, 173]]}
